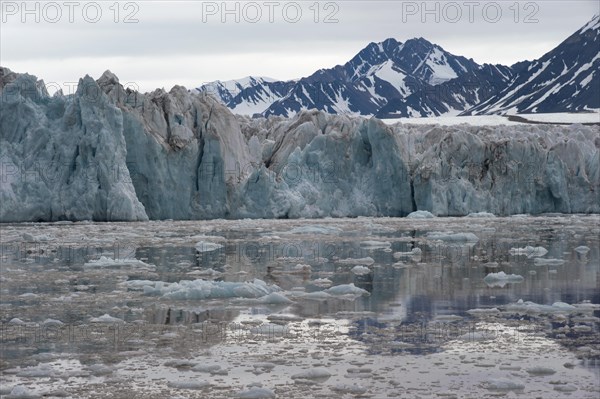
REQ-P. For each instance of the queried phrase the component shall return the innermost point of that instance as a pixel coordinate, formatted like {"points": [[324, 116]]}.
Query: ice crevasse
{"points": [[108, 153]]}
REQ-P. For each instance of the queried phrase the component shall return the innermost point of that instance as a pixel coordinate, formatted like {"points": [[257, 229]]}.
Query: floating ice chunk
{"points": [[548, 262], [352, 389], [502, 384], [256, 393], [346, 289], [31, 238], [532, 308], [205, 272], [322, 282], [360, 261], [264, 365], [481, 215], [99, 369], [453, 237], [106, 318], [538, 370], [529, 251], [315, 229], [188, 384], [477, 336], [360, 270], [206, 368], [52, 322], [109, 262], [500, 279], [39, 371], [302, 268], [316, 373], [582, 249], [481, 311], [274, 298], [317, 295], [19, 391], [565, 388], [420, 215], [203, 289], [270, 329], [414, 253], [375, 244], [206, 246]]}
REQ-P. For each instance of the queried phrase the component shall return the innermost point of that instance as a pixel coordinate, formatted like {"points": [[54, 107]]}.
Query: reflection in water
{"points": [[426, 293]]}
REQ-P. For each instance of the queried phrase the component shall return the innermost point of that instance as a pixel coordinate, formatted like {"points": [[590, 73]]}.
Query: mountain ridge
{"points": [[417, 78]]}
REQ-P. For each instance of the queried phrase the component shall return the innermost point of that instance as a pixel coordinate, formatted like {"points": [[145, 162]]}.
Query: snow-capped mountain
{"points": [[567, 79], [391, 79], [379, 73]]}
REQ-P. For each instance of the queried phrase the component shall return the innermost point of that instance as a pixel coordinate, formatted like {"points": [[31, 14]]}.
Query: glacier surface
{"points": [[108, 153]]}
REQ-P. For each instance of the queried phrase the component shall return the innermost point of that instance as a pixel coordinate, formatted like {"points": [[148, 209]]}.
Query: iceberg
{"points": [[500, 279]]}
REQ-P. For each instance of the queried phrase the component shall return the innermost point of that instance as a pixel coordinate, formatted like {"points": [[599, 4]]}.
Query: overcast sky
{"points": [[160, 44]]}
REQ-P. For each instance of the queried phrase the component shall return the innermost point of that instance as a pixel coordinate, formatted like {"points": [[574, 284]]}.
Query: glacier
{"points": [[109, 153]]}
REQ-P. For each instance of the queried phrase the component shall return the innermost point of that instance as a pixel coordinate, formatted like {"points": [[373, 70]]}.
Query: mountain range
{"points": [[417, 78]]}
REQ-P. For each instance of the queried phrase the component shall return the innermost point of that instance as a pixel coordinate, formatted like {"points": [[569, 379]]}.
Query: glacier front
{"points": [[108, 153]]}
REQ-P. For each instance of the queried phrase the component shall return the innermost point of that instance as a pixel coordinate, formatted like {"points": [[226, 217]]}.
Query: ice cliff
{"points": [[110, 153]]}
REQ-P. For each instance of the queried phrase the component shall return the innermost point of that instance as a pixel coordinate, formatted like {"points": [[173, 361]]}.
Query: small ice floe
{"points": [[529, 307], [19, 391], [446, 318], [373, 245], [420, 215], [204, 289], [106, 318], [206, 368], [500, 279], [255, 393], [192, 385], [359, 372], [529, 251], [264, 367], [538, 370], [413, 253], [360, 270], [99, 369], [548, 262], [315, 229], [481, 215], [105, 261], [322, 282], [317, 373], [39, 371], [354, 261], [452, 237], [582, 249], [483, 312], [352, 389], [207, 246], [565, 388], [502, 384], [270, 329], [284, 318], [346, 289], [208, 273], [274, 298], [52, 322], [41, 238], [301, 268]]}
